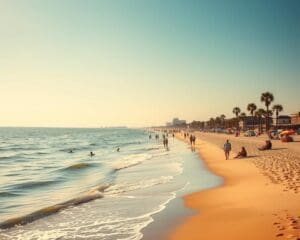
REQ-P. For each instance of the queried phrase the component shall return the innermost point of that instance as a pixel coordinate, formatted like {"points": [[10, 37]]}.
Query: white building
{"points": [[168, 124], [177, 122]]}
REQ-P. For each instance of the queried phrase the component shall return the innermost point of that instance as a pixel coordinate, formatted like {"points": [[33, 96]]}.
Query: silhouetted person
{"points": [[194, 140]]}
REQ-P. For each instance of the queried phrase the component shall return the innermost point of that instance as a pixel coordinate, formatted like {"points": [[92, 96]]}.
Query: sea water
{"points": [[111, 195]]}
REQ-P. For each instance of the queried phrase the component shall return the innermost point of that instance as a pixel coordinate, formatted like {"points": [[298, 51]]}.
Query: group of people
{"points": [[192, 138], [165, 139], [243, 152], [227, 149]]}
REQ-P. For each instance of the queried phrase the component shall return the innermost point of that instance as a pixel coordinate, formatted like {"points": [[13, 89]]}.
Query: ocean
{"points": [[52, 188]]}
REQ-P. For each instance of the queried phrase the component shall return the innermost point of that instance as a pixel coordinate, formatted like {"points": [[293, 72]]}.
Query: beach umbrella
{"points": [[287, 132]]}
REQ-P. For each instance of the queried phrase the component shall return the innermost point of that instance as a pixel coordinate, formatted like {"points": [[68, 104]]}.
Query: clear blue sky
{"points": [[100, 63]]}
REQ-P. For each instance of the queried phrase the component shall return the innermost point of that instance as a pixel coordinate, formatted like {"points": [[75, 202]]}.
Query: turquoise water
{"points": [[111, 195]]}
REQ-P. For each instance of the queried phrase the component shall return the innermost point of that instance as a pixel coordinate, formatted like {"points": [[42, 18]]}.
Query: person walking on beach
{"points": [[191, 139], [227, 149], [166, 143], [194, 140]]}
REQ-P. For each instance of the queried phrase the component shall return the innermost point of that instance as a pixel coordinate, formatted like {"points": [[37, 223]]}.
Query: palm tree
{"points": [[251, 108], [260, 113], [267, 98], [211, 122], [236, 111], [218, 121], [277, 108], [222, 116], [243, 116]]}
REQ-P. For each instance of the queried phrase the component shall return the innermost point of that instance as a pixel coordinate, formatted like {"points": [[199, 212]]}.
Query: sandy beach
{"points": [[260, 197]]}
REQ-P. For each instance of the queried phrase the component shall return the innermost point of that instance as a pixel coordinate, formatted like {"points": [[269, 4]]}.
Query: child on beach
{"points": [[227, 149]]}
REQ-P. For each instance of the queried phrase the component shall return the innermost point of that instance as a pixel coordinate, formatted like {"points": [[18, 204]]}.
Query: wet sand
{"points": [[260, 197]]}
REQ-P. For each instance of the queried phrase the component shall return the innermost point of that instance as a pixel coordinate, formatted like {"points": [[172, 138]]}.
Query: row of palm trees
{"points": [[260, 113], [267, 98]]}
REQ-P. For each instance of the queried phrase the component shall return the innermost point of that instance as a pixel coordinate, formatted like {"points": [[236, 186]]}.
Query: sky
{"points": [[71, 63]]}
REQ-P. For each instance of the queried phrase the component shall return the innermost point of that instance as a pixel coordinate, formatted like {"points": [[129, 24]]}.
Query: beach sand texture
{"points": [[260, 197]]}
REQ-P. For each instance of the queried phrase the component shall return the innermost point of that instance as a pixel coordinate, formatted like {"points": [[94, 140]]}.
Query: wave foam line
{"points": [[44, 212], [131, 161]]}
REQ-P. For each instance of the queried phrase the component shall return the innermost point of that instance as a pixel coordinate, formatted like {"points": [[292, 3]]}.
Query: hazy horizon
{"points": [[141, 63]]}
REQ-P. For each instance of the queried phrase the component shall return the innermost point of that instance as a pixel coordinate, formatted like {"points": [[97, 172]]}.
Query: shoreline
{"points": [[249, 204], [175, 211]]}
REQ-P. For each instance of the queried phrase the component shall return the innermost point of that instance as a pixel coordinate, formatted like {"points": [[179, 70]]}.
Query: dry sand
{"points": [[260, 197]]}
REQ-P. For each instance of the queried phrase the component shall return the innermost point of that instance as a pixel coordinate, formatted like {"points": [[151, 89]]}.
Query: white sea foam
{"points": [[130, 161], [127, 187], [152, 179], [89, 225]]}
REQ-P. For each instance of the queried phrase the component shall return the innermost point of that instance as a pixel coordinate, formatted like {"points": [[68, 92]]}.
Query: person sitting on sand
{"points": [[92, 154], [267, 146], [242, 153], [227, 149]]}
